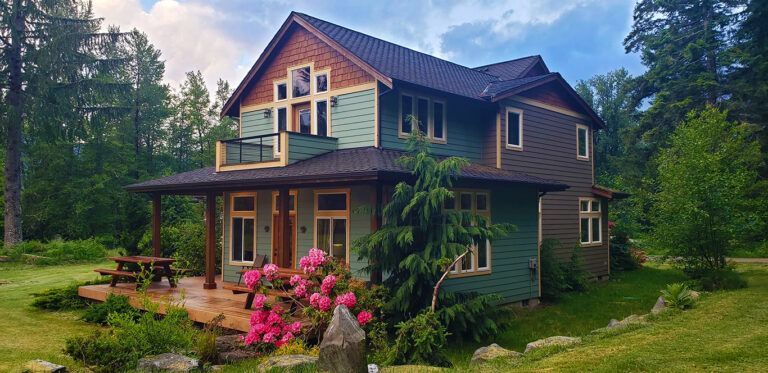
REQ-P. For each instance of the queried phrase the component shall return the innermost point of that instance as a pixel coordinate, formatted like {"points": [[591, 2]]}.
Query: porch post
{"points": [[157, 250], [210, 241], [285, 231]]}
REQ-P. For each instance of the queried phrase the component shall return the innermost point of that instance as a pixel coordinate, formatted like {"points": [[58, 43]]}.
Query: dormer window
{"points": [[321, 82], [300, 82]]}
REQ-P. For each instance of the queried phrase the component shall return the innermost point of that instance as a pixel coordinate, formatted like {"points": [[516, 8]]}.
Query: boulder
{"points": [[229, 357], [659, 307], [230, 342], [373, 368], [42, 366], [491, 352], [552, 341], [411, 369], [343, 347], [168, 363], [286, 362], [631, 319]]}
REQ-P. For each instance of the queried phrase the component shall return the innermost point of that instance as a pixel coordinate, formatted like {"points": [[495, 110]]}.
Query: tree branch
{"points": [[445, 274]]}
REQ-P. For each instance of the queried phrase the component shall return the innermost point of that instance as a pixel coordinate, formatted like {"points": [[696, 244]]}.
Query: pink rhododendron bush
{"points": [[311, 297]]}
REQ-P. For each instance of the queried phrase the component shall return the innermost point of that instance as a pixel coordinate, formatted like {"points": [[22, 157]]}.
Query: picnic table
{"points": [[159, 267]]}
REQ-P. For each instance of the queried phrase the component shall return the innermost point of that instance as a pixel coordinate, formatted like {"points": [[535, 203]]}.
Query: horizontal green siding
{"points": [[253, 123], [466, 124], [263, 239], [301, 146], [249, 152], [353, 119], [510, 276]]}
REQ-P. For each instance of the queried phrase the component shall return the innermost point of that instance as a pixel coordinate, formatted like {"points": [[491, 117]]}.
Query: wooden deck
{"points": [[202, 305]]}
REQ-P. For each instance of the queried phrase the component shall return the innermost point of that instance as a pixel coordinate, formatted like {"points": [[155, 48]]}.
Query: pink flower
{"points": [[273, 318], [251, 337], [349, 299], [268, 338], [314, 259], [271, 271], [328, 283], [305, 265], [295, 279], [364, 317], [276, 330], [314, 298], [251, 278], [324, 303], [287, 337], [258, 317], [294, 327], [258, 301], [300, 290]]}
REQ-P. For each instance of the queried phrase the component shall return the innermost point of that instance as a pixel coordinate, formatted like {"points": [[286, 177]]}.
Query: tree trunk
{"points": [[12, 234]]}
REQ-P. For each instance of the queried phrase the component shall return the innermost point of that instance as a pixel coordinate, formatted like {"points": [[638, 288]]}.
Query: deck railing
{"points": [[270, 150]]}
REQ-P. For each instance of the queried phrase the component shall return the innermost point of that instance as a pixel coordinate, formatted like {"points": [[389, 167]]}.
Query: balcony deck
{"points": [[270, 150]]}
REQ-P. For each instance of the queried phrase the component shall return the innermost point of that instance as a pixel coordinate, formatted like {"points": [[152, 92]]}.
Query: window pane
{"points": [[596, 205], [596, 230], [423, 114], [465, 202], [584, 206], [437, 128], [332, 202], [305, 123], [321, 82], [513, 136], [450, 203], [340, 239], [407, 107], [244, 204], [584, 230], [282, 91], [466, 262], [300, 81], [281, 119], [482, 254], [324, 234], [481, 202], [237, 239], [249, 232], [582, 142], [291, 202], [322, 118]]}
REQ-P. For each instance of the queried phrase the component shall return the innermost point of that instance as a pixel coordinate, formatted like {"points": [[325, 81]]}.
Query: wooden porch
{"points": [[202, 304]]}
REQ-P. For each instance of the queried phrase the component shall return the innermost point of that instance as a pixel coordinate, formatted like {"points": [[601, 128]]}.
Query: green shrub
{"points": [[623, 255], [558, 277], [420, 340], [678, 295], [99, 312], [57, 252], [63, 298], [576, 277], [721, 279], [120, 348], [184, 242]]}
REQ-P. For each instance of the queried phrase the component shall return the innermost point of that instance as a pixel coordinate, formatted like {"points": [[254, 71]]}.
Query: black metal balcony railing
{"points": [[252, 149]]}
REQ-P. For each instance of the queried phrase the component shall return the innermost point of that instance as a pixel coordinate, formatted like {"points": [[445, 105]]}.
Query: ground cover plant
{"points": [[57, 252]]}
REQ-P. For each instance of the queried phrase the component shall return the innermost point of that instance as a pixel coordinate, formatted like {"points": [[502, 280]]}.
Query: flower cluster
{"points": [[252, 278], [268, 326], [313, 260], [271, 271], [348, 299]]}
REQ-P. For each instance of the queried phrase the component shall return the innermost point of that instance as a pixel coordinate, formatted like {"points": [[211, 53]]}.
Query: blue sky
{"points": [[223, 38]]}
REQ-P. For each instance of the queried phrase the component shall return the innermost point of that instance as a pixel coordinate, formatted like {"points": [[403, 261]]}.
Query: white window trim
{"points": [[519, 112], [243, 214], [588, 140], [589, 215], [474, 269], [401, 120], [431, 126], [274, 87], [327, 113], [275, 126], [333, 214], [430, 116], [315, 74], [289, 79]]}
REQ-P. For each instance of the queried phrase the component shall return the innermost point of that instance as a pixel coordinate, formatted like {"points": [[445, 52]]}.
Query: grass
{"points": [[29, 333]]}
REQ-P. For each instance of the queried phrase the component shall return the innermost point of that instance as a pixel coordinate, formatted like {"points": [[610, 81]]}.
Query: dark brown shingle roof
{"points": [[359, 163], [512, 69]]}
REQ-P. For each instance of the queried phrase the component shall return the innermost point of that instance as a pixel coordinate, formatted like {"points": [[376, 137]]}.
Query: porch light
{"points": [[267, 113], [334, 101]]}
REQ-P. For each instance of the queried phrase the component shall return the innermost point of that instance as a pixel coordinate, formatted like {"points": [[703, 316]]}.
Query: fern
{"points": [[678, 295]]}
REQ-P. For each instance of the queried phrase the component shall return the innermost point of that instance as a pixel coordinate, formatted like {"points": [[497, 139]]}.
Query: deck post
{"points": [[285, 231], [157, 250], [210, 241]]}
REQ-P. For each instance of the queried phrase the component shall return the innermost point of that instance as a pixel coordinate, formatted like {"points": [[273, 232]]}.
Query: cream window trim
{"points": [[331, 214], [275, 126], [315, 112], [294, 193], [401, 120], [432, 137], [242, 214], [315, 74], [289, 78], [475, 269], [430, 116], [591, 209], [277, 83], [519, 112], [588, 142]]}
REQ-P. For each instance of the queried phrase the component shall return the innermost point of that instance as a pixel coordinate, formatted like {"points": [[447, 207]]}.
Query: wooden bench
{"points": [[239, 289], [116, 274]]}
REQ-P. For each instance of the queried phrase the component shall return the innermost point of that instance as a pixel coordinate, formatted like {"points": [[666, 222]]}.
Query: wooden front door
{"points": [[280, 256], [302, 118]]}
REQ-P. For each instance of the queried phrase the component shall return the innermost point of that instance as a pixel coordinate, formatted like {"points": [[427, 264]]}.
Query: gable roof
{"points": [[367, 163], [389, 62]]}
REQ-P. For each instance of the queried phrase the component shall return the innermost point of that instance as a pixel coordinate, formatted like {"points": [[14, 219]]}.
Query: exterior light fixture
{"points": [[334, 101], [267, 113]]}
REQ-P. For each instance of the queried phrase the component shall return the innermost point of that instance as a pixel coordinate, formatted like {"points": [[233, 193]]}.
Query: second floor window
{"points": [[514, 129], [281, 91], [582, 142], [300, 82], [429, 114], [321, 82], [321, 118]]}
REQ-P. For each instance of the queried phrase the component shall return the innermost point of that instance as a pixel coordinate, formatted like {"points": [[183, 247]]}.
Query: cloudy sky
{"points": [[223, 38]]}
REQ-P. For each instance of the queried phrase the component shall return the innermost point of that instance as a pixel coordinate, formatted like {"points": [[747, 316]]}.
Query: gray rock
{"points": [[552, 341], [217, 368], [286, 362], [373, 368], [168, 363], [238, 355], [491, 352], [659, 307], [231, 342], [42, 366], [343, 347], [613, 323], [631, 319]]}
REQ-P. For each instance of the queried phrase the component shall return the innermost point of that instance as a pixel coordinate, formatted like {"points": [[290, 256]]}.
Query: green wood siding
{"points": [[263, 239], [253, 123], [353, 119], [466, 126], [251, 152], [301, 146], [510, 276]]}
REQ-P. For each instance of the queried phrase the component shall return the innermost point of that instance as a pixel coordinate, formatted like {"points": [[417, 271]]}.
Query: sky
{"points": [[223, 38]]}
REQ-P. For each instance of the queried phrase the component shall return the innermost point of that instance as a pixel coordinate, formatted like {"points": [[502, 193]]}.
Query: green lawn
{"points": [[27, 333]]}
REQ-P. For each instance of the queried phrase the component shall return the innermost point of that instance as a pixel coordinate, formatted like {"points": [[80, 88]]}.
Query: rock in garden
{"points": [[373, 368], [491, 352], [631, 319], [286, 362], [552, 341], [42, 366], [230, 342], [410, 369], [238, 355], [168, 363], [343, 347], [659, 307]]}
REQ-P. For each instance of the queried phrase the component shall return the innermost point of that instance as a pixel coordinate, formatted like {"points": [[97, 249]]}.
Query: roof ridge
{"points": [[507, 61]]}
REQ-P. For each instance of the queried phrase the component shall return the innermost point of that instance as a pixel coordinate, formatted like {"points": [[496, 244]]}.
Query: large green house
{"points": [[322, 123]]}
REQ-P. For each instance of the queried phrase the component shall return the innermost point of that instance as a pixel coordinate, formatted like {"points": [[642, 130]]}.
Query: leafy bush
{"points": [[420, 340], [678, 295], [720, 279], [184, 242], [205, 345], [296, 347], [63, 298], [625, 257], [558, 277], [99, 312], [120, 348], [57, 252], [576, 277]]}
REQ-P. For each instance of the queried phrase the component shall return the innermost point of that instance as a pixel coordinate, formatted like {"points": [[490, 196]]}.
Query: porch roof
{"points": [[347, 165]]}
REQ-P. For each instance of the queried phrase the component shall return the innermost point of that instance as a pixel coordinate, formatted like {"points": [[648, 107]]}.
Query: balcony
{"points": [[270, 150]]}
